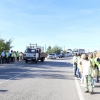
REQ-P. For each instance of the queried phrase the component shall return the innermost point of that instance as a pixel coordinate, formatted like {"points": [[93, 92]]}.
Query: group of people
{"points": [[8, 57], [86, 68]]}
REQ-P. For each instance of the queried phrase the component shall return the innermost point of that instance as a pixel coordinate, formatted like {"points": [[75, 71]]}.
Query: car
{"points": [[52, 56], [59, 55]]}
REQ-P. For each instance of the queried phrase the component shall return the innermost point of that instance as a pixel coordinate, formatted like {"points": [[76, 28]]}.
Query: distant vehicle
{"points": [[78, 51], [34, 54], [52, 56], [60, 55]]}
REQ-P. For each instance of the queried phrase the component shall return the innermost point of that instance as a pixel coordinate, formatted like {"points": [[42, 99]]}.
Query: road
{"points": [[49, 80]]}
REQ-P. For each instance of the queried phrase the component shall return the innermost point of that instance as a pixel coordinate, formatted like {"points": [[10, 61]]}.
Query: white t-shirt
{"points": [[86, 67], [74, 59], [79, 61]]}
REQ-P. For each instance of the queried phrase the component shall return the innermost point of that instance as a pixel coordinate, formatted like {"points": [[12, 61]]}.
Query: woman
{"points": [[86, 71], [80, 63]]}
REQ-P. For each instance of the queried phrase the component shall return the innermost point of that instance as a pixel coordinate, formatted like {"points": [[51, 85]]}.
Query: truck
{"points": [[78, 51], [34, 53]]}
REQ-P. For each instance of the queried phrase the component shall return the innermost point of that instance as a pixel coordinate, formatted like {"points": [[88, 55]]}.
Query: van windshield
{"points": [[30, 51]]}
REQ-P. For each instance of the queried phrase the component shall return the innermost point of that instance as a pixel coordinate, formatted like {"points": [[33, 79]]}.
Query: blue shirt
{"points": [[2, 54]]}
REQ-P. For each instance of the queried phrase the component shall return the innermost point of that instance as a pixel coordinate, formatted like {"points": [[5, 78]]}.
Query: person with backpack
{"points": [[91, 58]]}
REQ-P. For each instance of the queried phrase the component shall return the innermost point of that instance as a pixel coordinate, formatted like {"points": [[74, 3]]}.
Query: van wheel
{"points": [[42, 59]]}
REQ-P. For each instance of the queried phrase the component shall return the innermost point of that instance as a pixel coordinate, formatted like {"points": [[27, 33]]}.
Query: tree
{"points": [[56, 49], [5, 45], [49, 50], [64, 51]]}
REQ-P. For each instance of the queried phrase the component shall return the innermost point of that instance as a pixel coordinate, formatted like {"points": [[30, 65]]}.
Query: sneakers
{"points": [[82, 84], [92, 92], [86, 91]]}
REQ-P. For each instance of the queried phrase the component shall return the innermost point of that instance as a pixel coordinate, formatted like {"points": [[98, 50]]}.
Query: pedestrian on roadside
{"points": [[97, 62], [86, 71], [80, 62], [3, 57], [12, 56], [75, 59], [91, 58], [78, 67], [0, 58], [7, 57], [17, 54]]}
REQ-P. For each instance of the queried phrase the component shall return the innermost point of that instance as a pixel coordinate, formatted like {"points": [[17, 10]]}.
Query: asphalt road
{"points": [[49, 80]]}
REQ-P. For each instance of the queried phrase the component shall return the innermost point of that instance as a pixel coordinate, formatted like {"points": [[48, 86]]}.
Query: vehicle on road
{"points": [[34, 54], [52, 56], [78, 51], [60, 55]]}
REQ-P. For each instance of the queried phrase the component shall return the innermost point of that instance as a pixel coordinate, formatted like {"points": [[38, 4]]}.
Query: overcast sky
{"points": [[69, 23]]}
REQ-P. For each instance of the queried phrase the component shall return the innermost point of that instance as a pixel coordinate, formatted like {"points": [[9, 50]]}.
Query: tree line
{"points": [[55, 49]]}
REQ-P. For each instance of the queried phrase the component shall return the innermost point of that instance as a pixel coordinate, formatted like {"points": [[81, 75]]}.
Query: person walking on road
{"points": [[86, 71], [93, 63]]}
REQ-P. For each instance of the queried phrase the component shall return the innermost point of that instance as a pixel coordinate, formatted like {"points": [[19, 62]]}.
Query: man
{"points": [[3, 57], [75, 58], [12, 55], [7, 55], [17, 56]]}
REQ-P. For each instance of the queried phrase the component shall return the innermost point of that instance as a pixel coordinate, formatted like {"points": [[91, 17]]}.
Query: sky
{"points": [[65, 23]]}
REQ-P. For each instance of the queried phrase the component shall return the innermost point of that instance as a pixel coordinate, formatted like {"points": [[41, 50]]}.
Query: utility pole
{"points": [[64, 47], [45, 47]]}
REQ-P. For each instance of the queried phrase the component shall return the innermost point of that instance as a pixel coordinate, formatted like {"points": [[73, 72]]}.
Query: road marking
{"points": [[81, 97]]}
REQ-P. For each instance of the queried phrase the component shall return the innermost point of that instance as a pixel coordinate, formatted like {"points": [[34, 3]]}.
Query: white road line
{"points": [[81, 97]]}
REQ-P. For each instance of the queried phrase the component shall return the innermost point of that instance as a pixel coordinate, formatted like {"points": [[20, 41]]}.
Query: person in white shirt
{"points": [[75, 58], [86, 71]]}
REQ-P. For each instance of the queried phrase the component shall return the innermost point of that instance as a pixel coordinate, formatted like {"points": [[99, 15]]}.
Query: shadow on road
{"points": [[45, 71], [3, 90]]}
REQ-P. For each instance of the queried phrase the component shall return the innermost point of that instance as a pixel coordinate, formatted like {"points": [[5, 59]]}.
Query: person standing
{"points": [[3, 57], [78, 67], [97, 62], [75, 58], [17, 56], [93, 63], [12, 55], [7, 57]]}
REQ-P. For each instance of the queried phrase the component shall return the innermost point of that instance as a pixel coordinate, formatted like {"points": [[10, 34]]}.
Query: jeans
{"points": [[75, 70], [79, 74], [97, 78], [93, 80]]}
